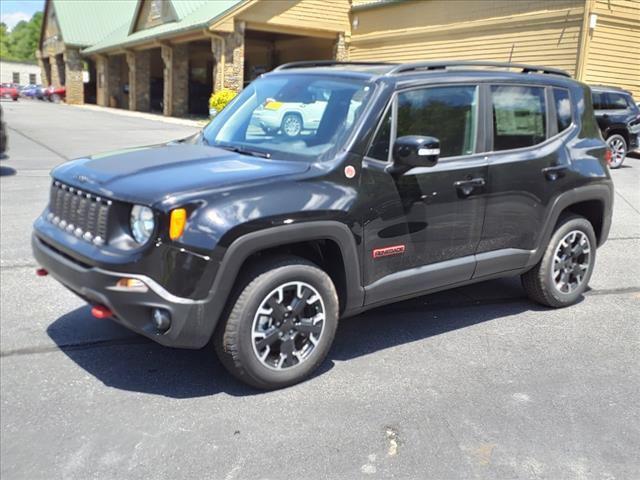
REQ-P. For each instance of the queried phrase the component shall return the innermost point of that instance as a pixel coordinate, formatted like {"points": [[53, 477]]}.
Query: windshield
{"points": [[304, 117]]}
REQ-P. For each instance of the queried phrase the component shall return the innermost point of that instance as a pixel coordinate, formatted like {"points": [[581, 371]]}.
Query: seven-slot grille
{"points": [[78, 212]]}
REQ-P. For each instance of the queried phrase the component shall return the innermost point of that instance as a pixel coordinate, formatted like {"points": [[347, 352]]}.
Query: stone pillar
{"points": [[176, 79], [45, 69], [341, 49], [102, 85], [74, 67], [55, 73], [218, 64], [139, 78], [114, 81], [234, 58]]}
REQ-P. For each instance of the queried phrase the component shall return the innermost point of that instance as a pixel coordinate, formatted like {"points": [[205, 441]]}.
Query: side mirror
{"points": [[415, 151]]}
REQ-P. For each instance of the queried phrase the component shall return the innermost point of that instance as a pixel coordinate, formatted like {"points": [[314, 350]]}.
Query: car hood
{"points": [[149, 175]]}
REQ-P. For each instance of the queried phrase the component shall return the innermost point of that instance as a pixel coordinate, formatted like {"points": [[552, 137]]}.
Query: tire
{"points": [[291, 125], [541, 282], [239, 340], [618, 146], [55, 98]]}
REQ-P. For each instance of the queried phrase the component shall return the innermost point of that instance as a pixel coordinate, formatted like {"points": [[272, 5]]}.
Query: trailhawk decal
{"points": [[388, 251]]}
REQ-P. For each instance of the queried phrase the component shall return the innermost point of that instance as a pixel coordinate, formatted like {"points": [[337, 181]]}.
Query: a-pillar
{"points": [[176, 79], [73, 77], [139, 80]]}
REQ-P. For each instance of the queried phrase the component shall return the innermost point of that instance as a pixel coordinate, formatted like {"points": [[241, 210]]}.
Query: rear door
{"points": [[528, 166]]}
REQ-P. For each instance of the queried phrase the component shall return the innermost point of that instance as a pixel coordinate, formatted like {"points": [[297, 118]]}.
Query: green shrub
{"points": [[219, 100]]}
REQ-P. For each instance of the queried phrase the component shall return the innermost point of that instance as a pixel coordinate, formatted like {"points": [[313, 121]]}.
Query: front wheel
{"points": [[281, 324], [563, 273], [618, 146]]}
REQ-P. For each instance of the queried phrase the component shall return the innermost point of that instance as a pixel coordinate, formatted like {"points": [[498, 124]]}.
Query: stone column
{"points": [[139, 78], [218, 64], [55, 73], [176, 79], [102, 85], [234, 53], [341, 49], [73, 77], [167, 57], [45, 69]]}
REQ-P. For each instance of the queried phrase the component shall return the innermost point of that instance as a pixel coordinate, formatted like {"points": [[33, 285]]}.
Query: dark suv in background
{"points": [[417, 178], [618, 117]]}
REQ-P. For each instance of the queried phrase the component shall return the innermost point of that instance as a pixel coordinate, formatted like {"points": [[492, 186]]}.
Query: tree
{"points": [[21, 42]]}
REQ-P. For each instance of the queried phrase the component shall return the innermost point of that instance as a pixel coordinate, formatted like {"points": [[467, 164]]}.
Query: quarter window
{"points": [[447, 113], [617, 101], [563, 108], [519, 116], [382, 141]]}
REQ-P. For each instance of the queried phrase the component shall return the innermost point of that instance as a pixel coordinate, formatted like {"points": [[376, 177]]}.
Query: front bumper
{"points": [[132, 309]]}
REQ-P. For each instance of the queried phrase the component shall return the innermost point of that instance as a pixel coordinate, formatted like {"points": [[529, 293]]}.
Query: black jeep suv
{"points": [[619, 120], [406, 179]]}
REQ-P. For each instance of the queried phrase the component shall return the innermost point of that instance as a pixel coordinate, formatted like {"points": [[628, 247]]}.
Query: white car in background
{"points": [[292, 118]]}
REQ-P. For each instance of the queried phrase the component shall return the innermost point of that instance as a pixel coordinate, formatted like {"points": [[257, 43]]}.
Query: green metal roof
{"points": [[192, 15], [84, 23]]}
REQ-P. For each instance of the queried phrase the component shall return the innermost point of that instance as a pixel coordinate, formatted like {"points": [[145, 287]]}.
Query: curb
{"points": [[144, 115]]}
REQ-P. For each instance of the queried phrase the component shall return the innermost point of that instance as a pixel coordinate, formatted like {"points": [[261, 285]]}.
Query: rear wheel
{"points": [[291, 124], [281, 325], [563, 273], [618, 146]]}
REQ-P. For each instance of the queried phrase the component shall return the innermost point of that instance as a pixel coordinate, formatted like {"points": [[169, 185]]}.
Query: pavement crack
{"points": [[627, 202], [38, 142]]}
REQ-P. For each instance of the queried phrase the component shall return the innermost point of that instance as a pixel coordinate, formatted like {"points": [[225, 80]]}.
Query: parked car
{"points": [[619, 120], [447, 175], [3, 135], [8, 90], [55, 94], [32, 91]]}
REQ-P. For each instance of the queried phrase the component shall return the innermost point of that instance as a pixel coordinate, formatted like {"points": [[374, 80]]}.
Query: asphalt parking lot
{"points": [[473, 383]]}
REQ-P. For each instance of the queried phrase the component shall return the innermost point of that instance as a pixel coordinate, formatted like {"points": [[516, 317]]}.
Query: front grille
{"points": [[82, 213]]}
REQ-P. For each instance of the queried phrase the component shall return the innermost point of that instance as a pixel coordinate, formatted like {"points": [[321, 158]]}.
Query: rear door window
{"points": [[617, 101], [519, 116]]}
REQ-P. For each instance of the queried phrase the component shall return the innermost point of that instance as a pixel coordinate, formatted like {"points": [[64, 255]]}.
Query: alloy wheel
{"points": [[292, 125], [571, 261], [618, 151], [288, 325]]}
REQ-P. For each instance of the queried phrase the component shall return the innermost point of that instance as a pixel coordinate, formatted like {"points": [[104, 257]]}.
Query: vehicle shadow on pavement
{"points": [[7, 171], [126, 361]]}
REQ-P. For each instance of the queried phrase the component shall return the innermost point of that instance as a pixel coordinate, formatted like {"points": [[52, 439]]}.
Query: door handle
{"points": [[466, 187], [554, 173]]}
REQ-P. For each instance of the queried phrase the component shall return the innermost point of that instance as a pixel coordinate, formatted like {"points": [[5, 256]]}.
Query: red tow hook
{"points": [[100, 311], [42, 272]]}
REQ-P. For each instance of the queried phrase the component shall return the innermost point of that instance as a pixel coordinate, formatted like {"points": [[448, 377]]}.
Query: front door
{"points": [[424, 228]]}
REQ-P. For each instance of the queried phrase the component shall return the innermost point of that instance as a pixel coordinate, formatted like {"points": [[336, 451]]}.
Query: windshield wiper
{"points": [[244, 151]]}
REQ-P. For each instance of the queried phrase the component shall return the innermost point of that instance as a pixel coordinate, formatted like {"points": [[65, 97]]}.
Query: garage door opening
{"points": [[200, 77], [264, 51]]}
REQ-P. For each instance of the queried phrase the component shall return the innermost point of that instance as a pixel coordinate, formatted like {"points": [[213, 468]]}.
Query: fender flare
{"points": [[602, 192], [250, 243]]}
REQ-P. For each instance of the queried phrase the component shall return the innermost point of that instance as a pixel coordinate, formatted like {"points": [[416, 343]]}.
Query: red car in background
{"points": [[7, 90], [54, 94]]}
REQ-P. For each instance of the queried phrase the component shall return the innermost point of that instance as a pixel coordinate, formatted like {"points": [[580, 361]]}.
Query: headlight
{"points": [[141, 223]]}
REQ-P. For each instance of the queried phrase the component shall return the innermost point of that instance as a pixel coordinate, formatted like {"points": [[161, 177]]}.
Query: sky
{"points": [[11, 12]]}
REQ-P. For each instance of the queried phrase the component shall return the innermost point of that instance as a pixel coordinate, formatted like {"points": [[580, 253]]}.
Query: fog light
{"points": [[161, 319], [132, 284]]}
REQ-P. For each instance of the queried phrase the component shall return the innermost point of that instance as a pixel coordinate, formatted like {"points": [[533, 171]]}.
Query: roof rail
{"points": [[327, 63], [444, 64]]}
